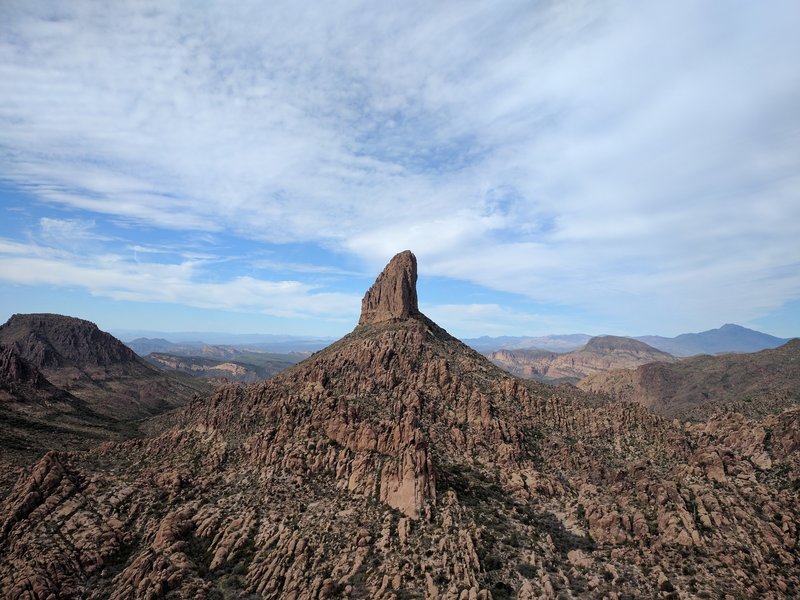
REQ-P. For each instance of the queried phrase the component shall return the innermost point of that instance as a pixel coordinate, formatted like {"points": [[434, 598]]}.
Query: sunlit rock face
{"points": [[393, 296]]}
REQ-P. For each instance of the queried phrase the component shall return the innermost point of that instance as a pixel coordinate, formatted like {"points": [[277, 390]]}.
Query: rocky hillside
{"points": [[599, 354], [92, 365], [398, 463], [66, 385], [52, 341], [36, 416], [17, 375], [753, 384]]}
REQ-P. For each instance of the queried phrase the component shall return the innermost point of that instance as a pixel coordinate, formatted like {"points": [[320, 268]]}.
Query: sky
{"points": [[613, 167]]}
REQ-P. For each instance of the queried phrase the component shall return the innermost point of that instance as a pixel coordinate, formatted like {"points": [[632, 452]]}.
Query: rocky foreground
{"points": [[397, 463]]}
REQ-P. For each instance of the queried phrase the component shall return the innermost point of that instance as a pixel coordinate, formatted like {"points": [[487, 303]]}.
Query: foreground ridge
{"points": [[398, 463]]}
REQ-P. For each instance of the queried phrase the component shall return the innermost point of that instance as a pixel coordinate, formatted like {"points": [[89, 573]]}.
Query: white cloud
{"points": [[185, 283], [475, 320], [622, 157]]}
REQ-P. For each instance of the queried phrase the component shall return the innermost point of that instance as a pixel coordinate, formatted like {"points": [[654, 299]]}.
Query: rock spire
{"points": [[393, 296]]}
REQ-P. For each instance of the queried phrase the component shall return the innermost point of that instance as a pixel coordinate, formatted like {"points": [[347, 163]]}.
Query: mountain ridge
{"points": [[599, 354], [728, 338], [65, 384], [754, 384], [51, 340], [399, 463]]}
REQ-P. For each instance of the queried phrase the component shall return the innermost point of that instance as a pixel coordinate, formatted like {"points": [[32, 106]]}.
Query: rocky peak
{"points": [[398, 463], [51, 341], [393, 296]]}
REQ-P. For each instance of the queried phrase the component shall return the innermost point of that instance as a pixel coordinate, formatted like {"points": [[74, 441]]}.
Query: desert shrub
{"points": [[492, 562], [527, 570]]}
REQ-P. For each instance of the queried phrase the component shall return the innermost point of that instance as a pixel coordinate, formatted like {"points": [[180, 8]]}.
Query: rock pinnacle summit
{"points": [[399, 463], [393, 296]]}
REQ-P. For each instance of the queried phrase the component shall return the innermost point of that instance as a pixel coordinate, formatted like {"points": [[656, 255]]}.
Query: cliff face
{"points": [[16, 372], [398, 463]]}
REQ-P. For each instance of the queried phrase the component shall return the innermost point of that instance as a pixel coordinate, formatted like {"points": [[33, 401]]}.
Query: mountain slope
{"points": [[36, 416], [66, 385], [90, 364], [754, 384], [599, 354], [398, 463], [728, 338]]}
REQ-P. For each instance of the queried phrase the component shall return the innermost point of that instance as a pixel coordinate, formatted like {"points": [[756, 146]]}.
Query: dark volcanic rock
{"points": [[36, 416], [394, 293], [64, 384]]}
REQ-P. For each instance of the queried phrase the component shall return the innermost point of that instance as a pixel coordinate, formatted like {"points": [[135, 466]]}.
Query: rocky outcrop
{"points": [[397, 463], [64, 384], [48, 340], [393, 296], [95, 367], [36, 416]]}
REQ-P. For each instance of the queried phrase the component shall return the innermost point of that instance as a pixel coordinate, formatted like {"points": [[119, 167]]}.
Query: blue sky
{"points": [[602, 167]]}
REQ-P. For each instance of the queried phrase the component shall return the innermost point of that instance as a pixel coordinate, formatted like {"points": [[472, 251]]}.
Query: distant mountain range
{"points": [[728, 338], [552, 343], [145, 346], [145, 342], [599, 354]]}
